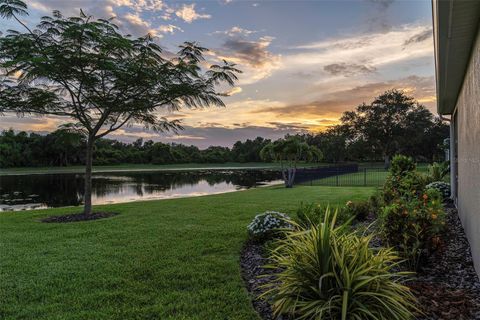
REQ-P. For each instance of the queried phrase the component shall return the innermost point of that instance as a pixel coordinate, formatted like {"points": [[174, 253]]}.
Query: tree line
{"points": [[65, 148]]}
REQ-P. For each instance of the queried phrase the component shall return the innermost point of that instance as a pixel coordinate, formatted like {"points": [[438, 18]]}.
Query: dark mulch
{"points": [[447, 287], [251, 262], [77, 217]]}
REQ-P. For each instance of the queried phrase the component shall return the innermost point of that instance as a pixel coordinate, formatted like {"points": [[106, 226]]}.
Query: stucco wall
{"points": [[468, 130]]}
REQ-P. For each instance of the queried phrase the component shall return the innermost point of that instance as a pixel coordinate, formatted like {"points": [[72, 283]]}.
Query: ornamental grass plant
{"points": [[326, 272]]}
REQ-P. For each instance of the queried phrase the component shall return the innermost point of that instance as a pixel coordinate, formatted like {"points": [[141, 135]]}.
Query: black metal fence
{"points": [[346, 175]]}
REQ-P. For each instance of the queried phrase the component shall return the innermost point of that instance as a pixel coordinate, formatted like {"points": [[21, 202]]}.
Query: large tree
{"points": [[99, 80], [392, 121], [289, 152]]}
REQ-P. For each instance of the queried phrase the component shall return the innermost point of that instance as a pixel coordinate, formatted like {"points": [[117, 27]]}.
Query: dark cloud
{"points": [[297, 126], [348, 69], [419, 37], [255, 53]]}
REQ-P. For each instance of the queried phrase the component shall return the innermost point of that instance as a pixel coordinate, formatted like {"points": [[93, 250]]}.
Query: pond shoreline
{"points": [[42, 191], [148, 168]]}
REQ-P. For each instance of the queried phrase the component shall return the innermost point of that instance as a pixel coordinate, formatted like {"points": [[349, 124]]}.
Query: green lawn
{"points": [[146, 167], [169, 259]]}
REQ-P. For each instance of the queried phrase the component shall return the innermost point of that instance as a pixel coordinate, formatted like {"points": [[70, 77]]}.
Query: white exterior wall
{"points": [[468, 130]]}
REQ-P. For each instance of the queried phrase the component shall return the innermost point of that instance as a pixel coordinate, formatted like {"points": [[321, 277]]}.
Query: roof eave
{"points": [[455, 26]]}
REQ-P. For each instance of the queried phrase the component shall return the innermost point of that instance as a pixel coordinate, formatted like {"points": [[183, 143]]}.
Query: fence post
{"points": [[365, 177], [336, 176]]}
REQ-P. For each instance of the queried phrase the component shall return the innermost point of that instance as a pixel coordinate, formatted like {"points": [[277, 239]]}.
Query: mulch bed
{"points": [[77, 217], [447, 287], [251, 262]]}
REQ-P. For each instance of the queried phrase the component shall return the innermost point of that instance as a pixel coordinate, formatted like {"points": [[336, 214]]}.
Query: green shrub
{"points": [[376, 203], [409, 185], [413, 226], [325, 272], [314, 214], [437, 171], [402, 164], [403, 181], [359, 209], [442, 187], [268, 225]]}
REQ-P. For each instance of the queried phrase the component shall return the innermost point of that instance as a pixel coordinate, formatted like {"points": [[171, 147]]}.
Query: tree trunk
{"points": [[87, 209], [289, 177], [387, 161]]}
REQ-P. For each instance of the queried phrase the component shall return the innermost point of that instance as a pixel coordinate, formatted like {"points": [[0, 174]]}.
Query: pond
{"points": [[39, 191]]}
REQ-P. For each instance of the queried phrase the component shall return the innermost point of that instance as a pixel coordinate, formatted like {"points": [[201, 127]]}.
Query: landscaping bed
{"points": [[447, 286], [77, 217]]}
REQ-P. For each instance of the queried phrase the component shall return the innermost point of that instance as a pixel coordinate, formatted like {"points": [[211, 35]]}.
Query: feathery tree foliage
{"points": [[100, 80], [289, 152]]}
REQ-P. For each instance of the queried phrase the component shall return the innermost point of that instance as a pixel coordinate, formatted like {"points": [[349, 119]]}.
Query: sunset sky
{"points": [[304, 62]]}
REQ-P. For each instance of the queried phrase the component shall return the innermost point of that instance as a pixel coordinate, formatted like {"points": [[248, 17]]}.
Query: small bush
{"points": [[325, 272], [376, 203], [413, 225], [409, 185], [313, 214], [358, 209], [442, 187], [437, 171], [268, 225], [401, 165], [403, 181]]}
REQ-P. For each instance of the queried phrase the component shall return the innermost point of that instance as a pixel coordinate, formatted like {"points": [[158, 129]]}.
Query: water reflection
{"points": [[55, 190]]}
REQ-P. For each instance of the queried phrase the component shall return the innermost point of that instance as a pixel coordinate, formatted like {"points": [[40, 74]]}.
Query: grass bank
{"points": [[169, 259], [146, 167]]}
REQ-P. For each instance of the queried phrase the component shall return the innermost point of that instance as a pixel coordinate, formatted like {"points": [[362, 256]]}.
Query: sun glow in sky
{"points": [[303, 62]]}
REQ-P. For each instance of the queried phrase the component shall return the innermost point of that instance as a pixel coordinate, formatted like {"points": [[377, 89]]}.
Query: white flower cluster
{"points": [[263, 225]]}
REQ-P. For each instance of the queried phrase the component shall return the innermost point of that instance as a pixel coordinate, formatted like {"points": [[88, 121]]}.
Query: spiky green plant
{"points": [[327, 272], [437, 171]]}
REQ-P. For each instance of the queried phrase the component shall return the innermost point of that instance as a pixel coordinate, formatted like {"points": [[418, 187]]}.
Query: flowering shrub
{"points": [[267, 225], [442, 187], [403, 181], [413, 225], [359, 209]]}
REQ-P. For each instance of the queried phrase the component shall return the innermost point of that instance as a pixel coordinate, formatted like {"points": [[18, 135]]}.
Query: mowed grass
{"points": [[169, 259]]}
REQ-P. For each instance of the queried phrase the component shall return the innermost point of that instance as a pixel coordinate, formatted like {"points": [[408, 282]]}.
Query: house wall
{"points": [[468, 153]]}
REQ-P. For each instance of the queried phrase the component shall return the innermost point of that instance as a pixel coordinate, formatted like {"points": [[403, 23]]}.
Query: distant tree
{"points": [[249, 150], [332, 143], [390, 122], [83, 69], [289, 152], [64, 147], [216, 154]]}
